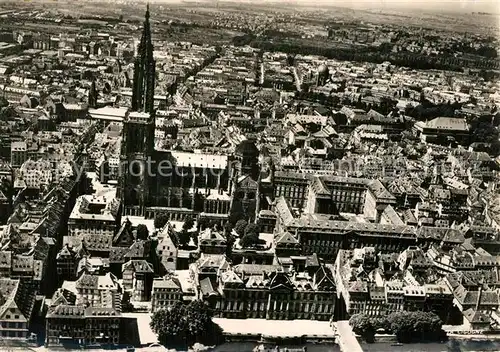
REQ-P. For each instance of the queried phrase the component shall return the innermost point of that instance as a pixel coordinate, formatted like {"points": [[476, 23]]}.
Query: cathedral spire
{"points": [[92, 101], [144, 72]]}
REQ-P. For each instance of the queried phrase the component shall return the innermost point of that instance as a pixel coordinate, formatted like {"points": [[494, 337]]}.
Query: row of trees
{"points": [[427, 110], [249, 234], [376, 55], [407, 326]]}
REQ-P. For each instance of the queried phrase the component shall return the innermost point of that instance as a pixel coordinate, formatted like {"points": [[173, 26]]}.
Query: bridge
{"points": [[346, 338]]}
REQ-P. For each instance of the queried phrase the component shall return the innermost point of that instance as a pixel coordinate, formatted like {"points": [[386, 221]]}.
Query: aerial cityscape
{"points": [[249, 176]]}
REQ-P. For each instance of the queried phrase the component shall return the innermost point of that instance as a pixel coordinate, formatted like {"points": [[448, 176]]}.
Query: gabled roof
{"points": [[66, 311], [218, 261], [140, 249], [323, 279], [87, 281], [117, 254], [280, 280], [169, 283], [255, 269], [63, 296], [476, 317], [5, 259], [211, 235], [448, 123], [124, 235], [65, 252], [97, 242], [8, 292], [138, 266], [312, 261], [247, 182], [287, 239], [358, 286], [230, 277]]}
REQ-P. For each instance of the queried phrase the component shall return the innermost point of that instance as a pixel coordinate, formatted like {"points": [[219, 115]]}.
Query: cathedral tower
{"points": [[138, 135], [92, 101]]}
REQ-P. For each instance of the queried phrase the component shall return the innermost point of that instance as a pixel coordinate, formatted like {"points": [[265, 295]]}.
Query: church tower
{"points": [[144, 72], [138, 135], [92, 101]]}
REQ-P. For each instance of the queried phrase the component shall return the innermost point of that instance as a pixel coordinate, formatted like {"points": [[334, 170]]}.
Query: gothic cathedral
{"points": [[137, 147]]}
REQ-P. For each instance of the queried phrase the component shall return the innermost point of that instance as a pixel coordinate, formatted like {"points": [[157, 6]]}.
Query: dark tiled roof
{"points": [[66, 311], [87, 281], [138, 266], [206, 287], [117, 254]]}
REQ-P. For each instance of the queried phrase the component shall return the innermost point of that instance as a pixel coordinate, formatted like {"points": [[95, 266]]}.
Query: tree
{"points": [[184, 237], [185, 324], [188, 223], [363, 325], [252, 229], [142, 232], [230, 241], [382, 323], [240, 227], [3, 102], [203, 223], [127, 306], [250, 240], [161, 220], [416, 326]]}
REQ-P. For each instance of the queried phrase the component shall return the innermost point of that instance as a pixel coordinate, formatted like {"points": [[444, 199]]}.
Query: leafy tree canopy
{"points": [[203, 223], [188, 223], [240, 227], [416, 326], [407, 326], [184, 238], [185, 324], [161, 220], [3, 102], [142, 232], [252, 229], [363, 325]]}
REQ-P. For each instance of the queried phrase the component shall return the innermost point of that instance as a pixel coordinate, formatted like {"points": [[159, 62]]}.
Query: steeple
{"points": [[144, 72], [92, 101]]}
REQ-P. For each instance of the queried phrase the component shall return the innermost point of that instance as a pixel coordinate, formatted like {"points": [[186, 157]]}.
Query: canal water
{"points": [[462, 345], [249, 347]]}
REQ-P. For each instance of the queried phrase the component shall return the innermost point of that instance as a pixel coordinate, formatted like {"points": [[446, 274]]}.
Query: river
{"points": [[249, 347], [462, 345]]}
